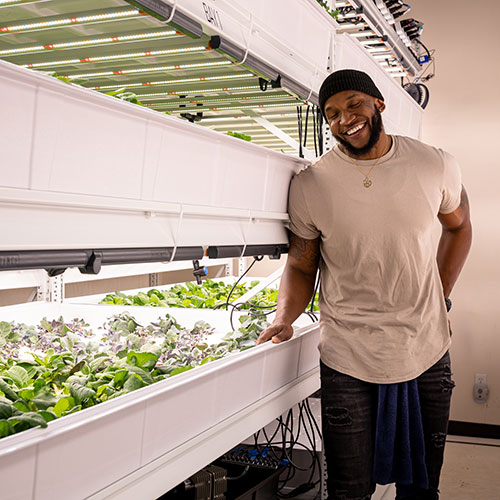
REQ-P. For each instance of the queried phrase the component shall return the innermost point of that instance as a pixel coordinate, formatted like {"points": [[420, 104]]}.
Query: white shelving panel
{"points": [[96, 171], [142, 444], [403, 115], [274, 32]]}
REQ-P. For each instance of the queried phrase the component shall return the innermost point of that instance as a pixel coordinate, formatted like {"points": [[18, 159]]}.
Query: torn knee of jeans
{"points": [[338, 416], [447, 383], [438, 439]]}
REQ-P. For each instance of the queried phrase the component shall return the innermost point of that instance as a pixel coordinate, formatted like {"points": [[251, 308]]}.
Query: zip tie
{"points": [[248, 43], [181, 215], [172, 13], [312, 81]]}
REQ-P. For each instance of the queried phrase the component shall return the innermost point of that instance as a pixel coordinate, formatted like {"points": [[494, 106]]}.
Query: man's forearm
{"points": [[296, 290], [453, 249]]}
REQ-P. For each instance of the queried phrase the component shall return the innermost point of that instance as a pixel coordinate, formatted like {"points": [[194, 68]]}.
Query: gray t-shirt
{"points": [[383, 316]]}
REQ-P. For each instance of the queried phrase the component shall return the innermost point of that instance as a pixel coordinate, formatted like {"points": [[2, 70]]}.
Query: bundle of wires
{"points": [[285, 435], [285, 440], [261, 311]]}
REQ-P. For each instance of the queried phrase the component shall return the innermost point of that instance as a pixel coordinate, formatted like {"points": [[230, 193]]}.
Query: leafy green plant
{"points": [[124, 95], [210, 294], [238, 135], [333, 13], [63, 367]]}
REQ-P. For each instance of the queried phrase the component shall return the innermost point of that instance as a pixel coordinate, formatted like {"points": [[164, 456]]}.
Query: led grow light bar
{"points": [[264, 115], [151, 69], [117, 57], [208, 100], [156, 95], [172, 82], [224, 108], [90, 42], [9, 3], [67, 21]]}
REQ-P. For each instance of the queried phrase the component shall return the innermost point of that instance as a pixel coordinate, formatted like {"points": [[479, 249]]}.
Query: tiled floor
{"points": [[470, 471]]}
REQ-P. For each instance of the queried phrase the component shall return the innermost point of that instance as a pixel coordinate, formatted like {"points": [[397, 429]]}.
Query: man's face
{"points": [[355, 120]]}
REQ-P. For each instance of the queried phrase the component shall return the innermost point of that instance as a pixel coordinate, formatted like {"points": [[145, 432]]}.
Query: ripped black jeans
{"points": [[349, 410]]}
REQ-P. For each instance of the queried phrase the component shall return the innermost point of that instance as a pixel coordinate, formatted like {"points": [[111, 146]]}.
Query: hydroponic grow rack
{"points": [[89, 180]]}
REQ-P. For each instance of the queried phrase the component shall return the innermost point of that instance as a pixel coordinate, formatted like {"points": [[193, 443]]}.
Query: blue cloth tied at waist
{"points": [[399, 438]]}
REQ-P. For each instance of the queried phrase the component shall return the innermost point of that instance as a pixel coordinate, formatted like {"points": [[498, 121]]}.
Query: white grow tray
{"points": [[142, 444], [85, 170]]}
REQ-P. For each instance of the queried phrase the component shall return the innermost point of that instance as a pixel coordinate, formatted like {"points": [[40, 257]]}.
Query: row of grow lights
{"points": [[110, 45]]}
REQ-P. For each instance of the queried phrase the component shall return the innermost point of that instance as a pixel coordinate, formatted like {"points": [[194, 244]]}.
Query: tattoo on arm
{"points": [[464, 200], [305, 251]]}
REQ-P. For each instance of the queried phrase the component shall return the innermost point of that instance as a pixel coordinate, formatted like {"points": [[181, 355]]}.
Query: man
{"points": [[364, 213]]}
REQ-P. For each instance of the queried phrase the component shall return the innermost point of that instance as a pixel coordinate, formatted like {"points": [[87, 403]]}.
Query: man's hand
{"points": [[277, 332], [296, 288]]}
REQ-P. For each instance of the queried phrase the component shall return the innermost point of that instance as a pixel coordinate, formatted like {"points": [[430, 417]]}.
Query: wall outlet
{"points": [[481, 390]]}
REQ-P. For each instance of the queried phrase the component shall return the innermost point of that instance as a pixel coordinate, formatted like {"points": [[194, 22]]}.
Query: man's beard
{"points": [[374, 136]]}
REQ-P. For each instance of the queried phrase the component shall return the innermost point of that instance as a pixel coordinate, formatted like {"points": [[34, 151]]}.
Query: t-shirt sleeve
{"points": [[452, 185], [301, 223]]}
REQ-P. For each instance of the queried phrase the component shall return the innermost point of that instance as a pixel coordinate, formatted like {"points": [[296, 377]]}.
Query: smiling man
{"points": [[364, 214]]}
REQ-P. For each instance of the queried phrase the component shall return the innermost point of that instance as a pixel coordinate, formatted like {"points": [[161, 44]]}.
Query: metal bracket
{"points": [[228, 269], [153, 279], [328, 139], [241, 266], [51, 289]]}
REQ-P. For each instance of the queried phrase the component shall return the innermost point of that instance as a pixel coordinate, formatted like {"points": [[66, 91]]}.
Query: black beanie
{"points": [[346, 79]]}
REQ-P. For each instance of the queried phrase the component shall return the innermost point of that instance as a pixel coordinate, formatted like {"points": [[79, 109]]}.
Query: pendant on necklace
{"points": [[367, 182]]}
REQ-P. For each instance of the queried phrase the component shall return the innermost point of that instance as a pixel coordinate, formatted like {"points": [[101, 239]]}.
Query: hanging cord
{"points": [[289, 441], [315, 132], [306, 125], [244, 234], [248, 43], [176, 236], [316, 287], [319, 128], [226, 304], [174, 7], [299, 129], [318, 131]]}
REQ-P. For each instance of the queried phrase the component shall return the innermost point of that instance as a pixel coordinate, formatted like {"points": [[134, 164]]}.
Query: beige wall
{"points": [[463, 117]]}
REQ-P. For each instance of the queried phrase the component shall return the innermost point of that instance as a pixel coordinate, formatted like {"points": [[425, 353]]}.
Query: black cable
{"points": [[314, 457], [319, 127], [299, 130], [289, 441], [425, 48], [306, 126], [256, 259], [313, 419], [312, 440], [315, 132], [244, 473], [315, 291]]}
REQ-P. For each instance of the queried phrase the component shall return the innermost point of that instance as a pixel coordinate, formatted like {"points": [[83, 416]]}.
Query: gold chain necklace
{"points": [[367, 182]]}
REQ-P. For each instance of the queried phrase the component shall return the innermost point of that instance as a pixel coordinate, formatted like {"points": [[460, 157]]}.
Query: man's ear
{"points": [[380, 104]]}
